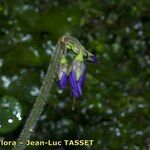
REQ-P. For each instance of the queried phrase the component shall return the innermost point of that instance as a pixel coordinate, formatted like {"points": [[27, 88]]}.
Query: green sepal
{"points": [[63, 60]]}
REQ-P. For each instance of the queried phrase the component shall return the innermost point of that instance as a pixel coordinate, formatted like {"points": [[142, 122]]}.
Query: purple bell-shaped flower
{"points": [[62, 72], [77, 75]]}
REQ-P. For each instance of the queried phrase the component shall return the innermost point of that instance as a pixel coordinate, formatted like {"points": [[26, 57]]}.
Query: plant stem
{"points": [[42, 98]]}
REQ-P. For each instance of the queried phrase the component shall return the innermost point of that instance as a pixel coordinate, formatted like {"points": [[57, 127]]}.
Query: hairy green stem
{"points": [[42, 98]]}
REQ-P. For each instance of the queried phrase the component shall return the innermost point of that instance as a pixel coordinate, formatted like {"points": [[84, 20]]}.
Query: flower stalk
{"points": [[42, 98]]}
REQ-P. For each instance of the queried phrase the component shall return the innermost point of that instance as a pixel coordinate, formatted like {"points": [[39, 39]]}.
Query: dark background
{"points": [[114, 108]]}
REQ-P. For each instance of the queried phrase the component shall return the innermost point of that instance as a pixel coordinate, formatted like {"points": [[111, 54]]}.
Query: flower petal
{"points": [[81, 82], [73, 83], [63, 81]]}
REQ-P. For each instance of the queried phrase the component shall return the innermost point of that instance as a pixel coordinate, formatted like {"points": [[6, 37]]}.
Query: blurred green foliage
{"points": [[114, 109], [11, 114]]}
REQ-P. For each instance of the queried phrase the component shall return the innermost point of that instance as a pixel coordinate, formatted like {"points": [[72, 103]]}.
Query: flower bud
{"points": [[93, 59], [80, 49]]}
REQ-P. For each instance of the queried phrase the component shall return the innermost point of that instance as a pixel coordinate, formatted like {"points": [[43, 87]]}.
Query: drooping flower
{"points": [[62, 72], [77, 71], [77, 75]]}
